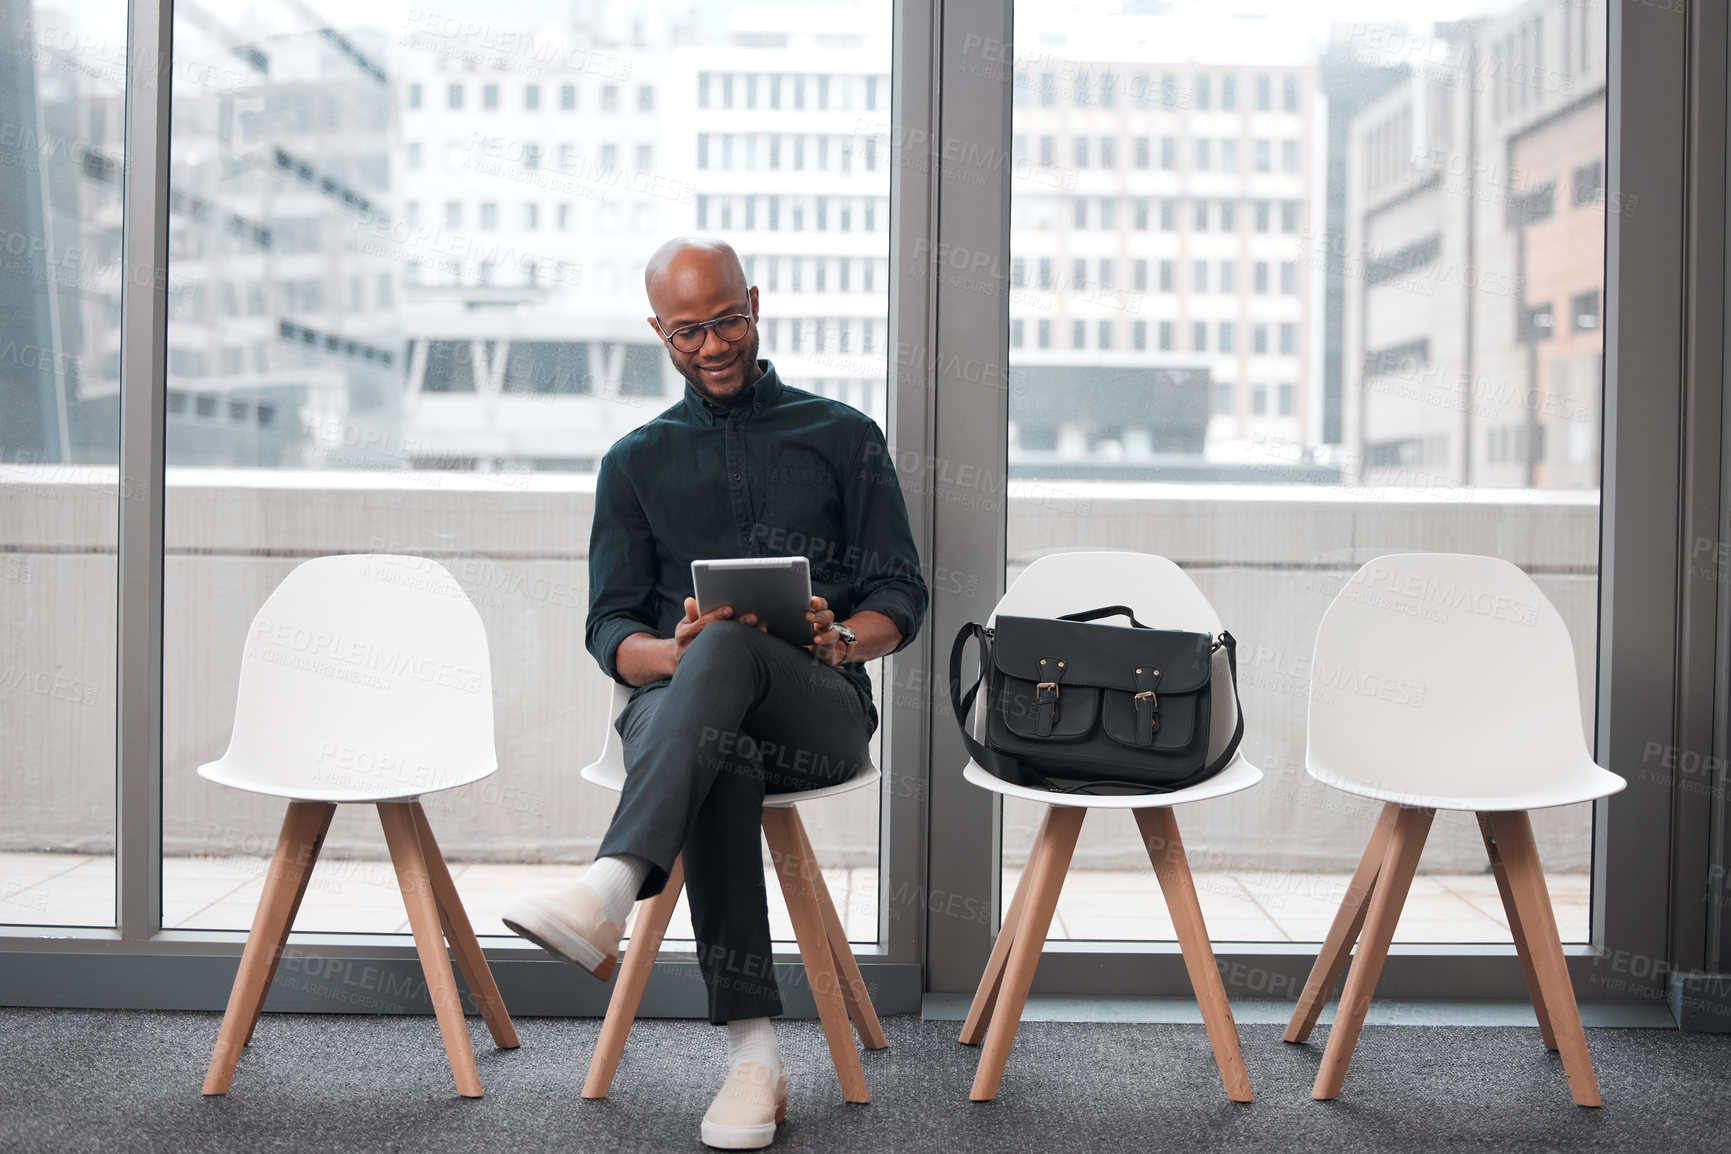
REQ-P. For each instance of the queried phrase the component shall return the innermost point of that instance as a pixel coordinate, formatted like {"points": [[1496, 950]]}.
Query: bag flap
{"points": [[1104, 656]]}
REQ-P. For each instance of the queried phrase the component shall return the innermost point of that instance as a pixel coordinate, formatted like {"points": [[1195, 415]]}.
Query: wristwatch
{"points": [[848, 636]]}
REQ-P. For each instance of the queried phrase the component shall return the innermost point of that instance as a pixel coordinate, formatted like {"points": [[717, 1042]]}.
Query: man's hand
{"points": [[826, 644], [687, 630]]}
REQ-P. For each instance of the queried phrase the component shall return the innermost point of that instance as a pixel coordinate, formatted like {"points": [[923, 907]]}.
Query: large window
{"points": [[1403, 386], [406, 315], [62, 83]]}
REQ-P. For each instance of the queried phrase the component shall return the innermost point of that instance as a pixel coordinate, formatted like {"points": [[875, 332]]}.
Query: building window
{"points": [[454, 97], [1105, 274], [1222, 398], [1202, 216], [1081, 152], [1259, 339], [646, 98], [1261, 154], [1201, 92], [1167, 211], [1106, 213], [1168, 274], [1081, 212], [531, 98], [1228, 338], [1202, 155], [1078, 334], [1168, 153], [490, 96], [1199, 277], [1142, 152], [1229, 93], [1537, 323], [1045, 334], [414, 96], [1199, 337], [1288, 399], [1259, 277], [1289, 276], [1016, 333], [1078, 275], [1289, 216], [1108, 152], [702, 90], [1228, 156], [567, 97], [1262, 216], [1263, 93], [1584, 312], [1228, 276], [1289, 94], [1139, 335], [1229, 216], [1141, 276], [1259, 400], [1165, 336], [1289, 156], [1142, 214], [1288, 339], [1589, 184], [1045, 282], [1105, 334]]}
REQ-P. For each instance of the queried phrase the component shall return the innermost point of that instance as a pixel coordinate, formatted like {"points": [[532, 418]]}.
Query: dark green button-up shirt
{"points": [[782, 472]]}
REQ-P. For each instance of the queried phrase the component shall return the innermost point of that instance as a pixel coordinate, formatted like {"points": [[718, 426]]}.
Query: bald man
{"points": [[742, 466]]}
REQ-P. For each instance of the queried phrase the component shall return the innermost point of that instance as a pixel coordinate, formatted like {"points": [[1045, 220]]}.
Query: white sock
{"points": [[752, 1040], [616, 879]]}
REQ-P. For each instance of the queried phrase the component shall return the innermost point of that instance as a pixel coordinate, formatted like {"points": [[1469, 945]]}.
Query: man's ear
{"points": [[656, 325], [752, 293]]}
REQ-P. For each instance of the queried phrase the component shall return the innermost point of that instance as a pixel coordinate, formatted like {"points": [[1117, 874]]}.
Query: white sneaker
{"points": [[743, 1116], [571, 925]]}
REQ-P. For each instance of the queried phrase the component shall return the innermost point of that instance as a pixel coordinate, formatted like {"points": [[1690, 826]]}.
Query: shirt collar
{"points": [[761, 392]]}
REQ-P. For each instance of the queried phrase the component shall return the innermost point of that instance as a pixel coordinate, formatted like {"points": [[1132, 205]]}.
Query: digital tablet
{"points": [[777, 589]]}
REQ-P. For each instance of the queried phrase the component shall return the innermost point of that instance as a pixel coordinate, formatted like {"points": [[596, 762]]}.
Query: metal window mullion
{"points": [[143, 357], [908, 718], [968, 266]]}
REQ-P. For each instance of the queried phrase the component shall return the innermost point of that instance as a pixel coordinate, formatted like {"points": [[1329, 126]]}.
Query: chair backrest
{"points": [[364, 673], [1162, 595], [1444, 675]]}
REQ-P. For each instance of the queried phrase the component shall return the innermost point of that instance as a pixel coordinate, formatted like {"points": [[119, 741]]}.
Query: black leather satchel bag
{"points": [[1077, 707]]}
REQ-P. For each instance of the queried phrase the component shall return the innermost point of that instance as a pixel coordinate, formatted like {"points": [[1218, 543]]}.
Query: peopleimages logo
{"points": [[1447, 595], [310, 649]]}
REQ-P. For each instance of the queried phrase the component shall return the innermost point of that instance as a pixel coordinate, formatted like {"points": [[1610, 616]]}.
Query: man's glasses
{"points": [[690, 338]]}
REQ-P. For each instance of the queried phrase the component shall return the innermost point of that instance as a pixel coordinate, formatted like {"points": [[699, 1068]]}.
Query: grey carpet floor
{"points": [[79, 1080]]}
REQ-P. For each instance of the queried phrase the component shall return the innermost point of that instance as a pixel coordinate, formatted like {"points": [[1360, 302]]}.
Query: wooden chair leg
{"points": [[1348, 921], [1399, 863], [461, 935], [799, 878], [1518, 933], [416, 884], [1512, 834], [297, 849], [854, 992], [1063, 824], [640, 954], [1159, 828], [986, 996]]}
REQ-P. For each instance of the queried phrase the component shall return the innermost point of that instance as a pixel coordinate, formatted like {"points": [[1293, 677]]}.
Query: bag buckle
{"points": [[1040, 691], [1154, 702]]}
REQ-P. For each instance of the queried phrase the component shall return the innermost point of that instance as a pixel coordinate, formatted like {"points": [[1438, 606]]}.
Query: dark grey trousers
{"points": [[744, 714]]}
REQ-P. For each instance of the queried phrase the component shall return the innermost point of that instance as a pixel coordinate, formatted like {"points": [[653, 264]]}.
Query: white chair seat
{"points": [[1577, 782], [223, 773], [1238, 775]]}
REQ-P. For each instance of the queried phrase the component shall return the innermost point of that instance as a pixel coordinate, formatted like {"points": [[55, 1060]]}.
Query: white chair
{"points": [[1446, 681], [364, 679], [831, 971], [1163, 597]]}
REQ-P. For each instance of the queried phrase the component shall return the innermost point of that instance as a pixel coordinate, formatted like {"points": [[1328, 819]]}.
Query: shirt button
{"points": [[737, 477]]}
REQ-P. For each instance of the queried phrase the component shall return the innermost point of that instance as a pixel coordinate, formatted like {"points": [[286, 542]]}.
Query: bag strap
{"points": [[1103, 611], [1230, 644], [962, 703]]}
